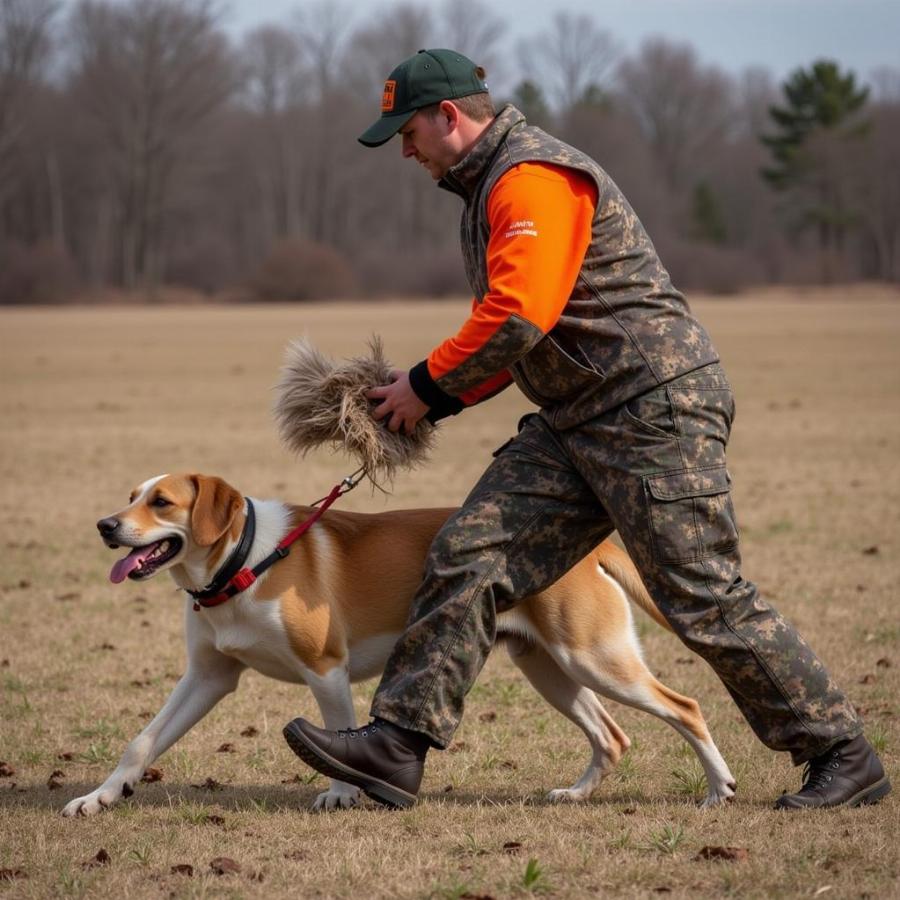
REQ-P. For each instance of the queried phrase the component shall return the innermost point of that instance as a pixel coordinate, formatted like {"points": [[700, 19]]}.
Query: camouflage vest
{"points": [[625, 329]]}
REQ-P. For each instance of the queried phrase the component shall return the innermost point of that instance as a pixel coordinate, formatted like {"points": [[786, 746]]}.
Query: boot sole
{"points": [[866, 797], [316, 758], [871, 795]]}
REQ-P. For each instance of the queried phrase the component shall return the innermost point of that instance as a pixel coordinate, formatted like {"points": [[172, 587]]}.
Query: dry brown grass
{"points": [[95, 400]]}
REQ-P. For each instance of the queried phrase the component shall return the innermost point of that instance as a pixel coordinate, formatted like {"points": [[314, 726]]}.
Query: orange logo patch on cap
{"points": [[387, 98]]}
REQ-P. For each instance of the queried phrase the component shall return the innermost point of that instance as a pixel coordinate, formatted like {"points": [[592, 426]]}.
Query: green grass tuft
{"points": [[667, 840]]}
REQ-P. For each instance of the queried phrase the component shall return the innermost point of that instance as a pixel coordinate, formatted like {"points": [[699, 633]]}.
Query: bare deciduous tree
{"points": [[755, 93], [397, 32], [274, 79], [886, 84], [149, 72], [325, 137], [24, 46], [322, 29], [682, 106], [878, 177], [271, 68], [470, 27], [571, 58]]}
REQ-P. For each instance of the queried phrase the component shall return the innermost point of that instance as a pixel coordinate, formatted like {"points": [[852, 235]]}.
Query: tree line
{"points": [[142, 147]]}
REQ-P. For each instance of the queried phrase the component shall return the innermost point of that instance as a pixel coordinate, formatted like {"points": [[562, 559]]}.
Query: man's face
{"points": [[430, 141]]}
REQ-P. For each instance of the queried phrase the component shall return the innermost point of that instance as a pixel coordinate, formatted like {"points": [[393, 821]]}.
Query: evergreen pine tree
{"points": [[817, 123]]}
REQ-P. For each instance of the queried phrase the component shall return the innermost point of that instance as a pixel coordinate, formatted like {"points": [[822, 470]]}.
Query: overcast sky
{"points": [[734, 34]]}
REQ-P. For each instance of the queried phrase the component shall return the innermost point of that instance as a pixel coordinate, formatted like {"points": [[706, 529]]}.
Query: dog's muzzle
{"points": [[143, 560], [108, 528]]}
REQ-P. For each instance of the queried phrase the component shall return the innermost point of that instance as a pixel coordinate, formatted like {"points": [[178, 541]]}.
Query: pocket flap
{"points": [[694, 483]]}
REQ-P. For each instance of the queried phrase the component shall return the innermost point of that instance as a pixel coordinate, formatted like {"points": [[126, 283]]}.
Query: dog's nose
{"points": [[107, 526]]}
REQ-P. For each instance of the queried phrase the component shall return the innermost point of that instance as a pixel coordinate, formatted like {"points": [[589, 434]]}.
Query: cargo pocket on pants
{"points": [[691, 514]]}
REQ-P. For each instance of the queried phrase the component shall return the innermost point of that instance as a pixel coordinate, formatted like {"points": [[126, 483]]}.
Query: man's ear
{"points": [[215, 506], [451, 114]]}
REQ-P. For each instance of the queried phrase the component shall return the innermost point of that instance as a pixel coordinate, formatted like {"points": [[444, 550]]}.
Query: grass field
{"points": [[95, 400]]}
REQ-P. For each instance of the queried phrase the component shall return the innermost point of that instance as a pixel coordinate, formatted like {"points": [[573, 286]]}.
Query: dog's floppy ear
{"points": [[215, 506]]}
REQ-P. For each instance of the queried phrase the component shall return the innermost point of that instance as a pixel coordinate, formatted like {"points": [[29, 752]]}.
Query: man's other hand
{"points": [[399, 402]]}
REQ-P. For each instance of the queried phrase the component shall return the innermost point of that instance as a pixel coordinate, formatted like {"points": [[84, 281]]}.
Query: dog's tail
{"points": [[620, 567]]}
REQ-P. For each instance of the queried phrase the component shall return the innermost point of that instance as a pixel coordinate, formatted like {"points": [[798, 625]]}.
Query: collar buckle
{"points": [[243, 579]]}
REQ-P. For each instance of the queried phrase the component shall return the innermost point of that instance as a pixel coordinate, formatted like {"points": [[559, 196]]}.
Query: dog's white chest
{"points": [[254, 634]]}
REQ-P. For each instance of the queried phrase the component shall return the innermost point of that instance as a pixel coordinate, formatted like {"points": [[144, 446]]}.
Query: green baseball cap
{"points": [[428, 77]]}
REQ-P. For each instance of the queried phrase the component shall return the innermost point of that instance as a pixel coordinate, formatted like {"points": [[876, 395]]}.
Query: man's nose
{"points": [[408, 148], [107, 526]]}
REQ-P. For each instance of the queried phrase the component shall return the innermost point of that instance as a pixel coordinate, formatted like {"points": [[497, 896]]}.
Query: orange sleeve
{"points": [[540, 219]]}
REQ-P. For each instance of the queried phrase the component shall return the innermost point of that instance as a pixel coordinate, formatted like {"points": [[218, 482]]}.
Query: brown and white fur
{"points": [[329, 614]]}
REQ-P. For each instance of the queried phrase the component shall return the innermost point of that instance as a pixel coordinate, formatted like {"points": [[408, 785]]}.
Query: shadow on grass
{"points": [[249, 798], [277, 798]]}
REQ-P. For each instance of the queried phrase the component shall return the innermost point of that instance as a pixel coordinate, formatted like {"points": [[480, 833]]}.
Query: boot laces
{"points": [[351, 733], [818, 772]]}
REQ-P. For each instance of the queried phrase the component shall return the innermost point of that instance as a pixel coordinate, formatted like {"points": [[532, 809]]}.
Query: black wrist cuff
{"points": [[440, 403]]}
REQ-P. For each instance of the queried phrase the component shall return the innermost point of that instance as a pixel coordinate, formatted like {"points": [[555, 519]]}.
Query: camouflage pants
{"points": [[654, 469]]}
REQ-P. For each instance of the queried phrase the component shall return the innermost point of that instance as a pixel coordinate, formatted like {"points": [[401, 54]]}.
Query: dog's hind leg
{"points": [[579, 704], [616, 670], [203, 685]]}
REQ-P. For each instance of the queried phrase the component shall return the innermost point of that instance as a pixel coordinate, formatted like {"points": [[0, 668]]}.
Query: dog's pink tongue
{"points": [[128, 564]]}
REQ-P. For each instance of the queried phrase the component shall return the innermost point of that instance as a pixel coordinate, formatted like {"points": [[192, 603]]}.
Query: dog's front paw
{"points": [[719, 794], [343, 796], [97, 801], [567, 795]]}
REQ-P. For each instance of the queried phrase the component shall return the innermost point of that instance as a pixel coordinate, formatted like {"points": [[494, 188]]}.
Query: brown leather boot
{"points": [[848, 774], [382, 759]]}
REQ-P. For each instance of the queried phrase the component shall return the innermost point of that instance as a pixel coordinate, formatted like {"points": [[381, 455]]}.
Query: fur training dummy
{"points": [[319, 401]]}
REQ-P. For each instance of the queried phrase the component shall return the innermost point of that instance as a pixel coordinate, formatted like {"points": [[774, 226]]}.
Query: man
{"points": [[573, 304]]}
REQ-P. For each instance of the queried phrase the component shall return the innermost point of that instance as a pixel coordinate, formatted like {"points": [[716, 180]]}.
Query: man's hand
{"points": [[399, 401]]}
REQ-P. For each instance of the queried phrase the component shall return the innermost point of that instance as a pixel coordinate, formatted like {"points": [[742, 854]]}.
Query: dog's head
{"points": [[168, 520]]}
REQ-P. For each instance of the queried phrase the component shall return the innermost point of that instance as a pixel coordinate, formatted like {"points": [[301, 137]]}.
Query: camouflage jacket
{"points": [[624, 330]]}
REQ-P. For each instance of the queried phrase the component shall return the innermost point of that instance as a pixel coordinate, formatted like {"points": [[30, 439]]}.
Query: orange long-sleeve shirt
{"points": [[540, 219]]}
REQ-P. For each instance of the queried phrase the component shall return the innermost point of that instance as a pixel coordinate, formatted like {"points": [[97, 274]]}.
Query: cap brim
{"points": [[384, 129]]}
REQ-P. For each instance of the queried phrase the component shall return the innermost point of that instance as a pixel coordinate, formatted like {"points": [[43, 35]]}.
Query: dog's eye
{"points": [[160, 502]]}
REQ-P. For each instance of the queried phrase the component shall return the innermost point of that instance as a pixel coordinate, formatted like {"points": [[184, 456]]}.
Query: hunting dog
{"points": [[329, 613]]}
